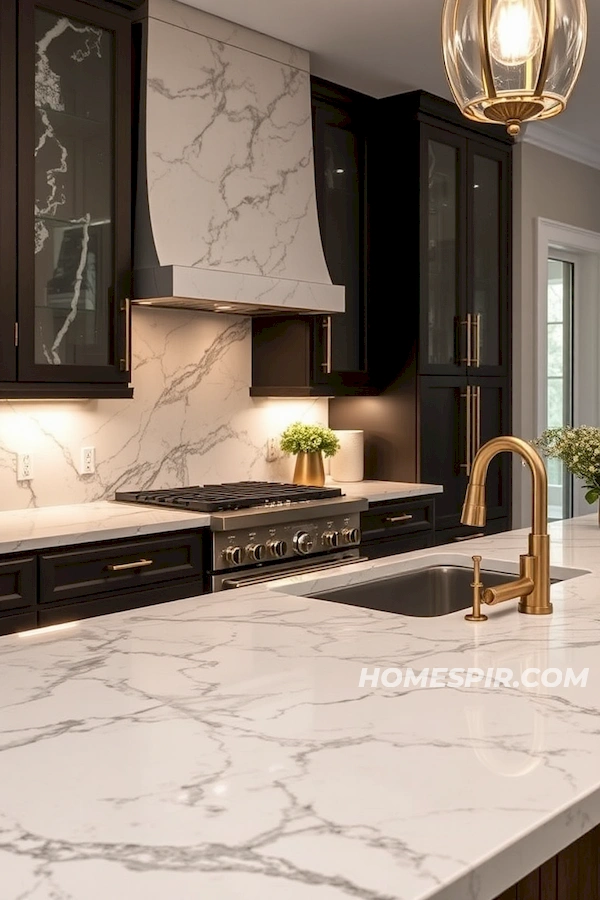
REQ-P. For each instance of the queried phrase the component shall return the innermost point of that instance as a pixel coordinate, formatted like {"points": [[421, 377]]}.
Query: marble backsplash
{"points": [[191, 420]]}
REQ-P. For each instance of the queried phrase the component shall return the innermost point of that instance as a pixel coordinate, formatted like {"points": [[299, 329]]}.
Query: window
{"points": [[559, 408]]}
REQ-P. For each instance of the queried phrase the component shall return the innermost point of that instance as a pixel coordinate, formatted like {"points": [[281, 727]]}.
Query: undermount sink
{"points": [[434, 591]]}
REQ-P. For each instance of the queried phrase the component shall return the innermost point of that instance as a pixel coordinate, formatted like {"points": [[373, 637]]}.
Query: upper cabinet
{"points": [[464, 282], [65, 166], [328, 355]]}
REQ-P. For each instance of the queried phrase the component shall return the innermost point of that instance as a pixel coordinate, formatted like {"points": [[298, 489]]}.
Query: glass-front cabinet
{"points": [[465, 265], [73, 171]]}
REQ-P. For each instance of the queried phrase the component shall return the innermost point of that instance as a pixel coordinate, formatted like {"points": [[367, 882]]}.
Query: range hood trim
{"points": [[186, 287]]}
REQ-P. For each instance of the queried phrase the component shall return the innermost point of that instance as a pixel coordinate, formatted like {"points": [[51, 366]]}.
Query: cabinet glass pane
{"points": [[340, 217], [486, 258], [442, 293], [73, 191]]}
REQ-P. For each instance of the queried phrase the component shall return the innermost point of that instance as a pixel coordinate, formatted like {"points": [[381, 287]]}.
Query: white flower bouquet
{"points": [[579, 449]]}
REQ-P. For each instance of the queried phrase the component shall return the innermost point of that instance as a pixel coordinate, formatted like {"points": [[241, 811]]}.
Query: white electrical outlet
{"points": [[24, 467], [87, 465], [272, 449]]}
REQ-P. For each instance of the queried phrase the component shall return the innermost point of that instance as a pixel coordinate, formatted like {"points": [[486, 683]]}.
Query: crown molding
{"points": [[562, 142]]}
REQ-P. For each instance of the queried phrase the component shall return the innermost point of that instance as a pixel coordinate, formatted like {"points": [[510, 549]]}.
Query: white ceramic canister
{"points": [[348, 464]]}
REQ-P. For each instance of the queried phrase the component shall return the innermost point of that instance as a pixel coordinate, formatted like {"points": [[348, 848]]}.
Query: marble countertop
{"points": [[22, 530], [222, 747], [378, 491]]}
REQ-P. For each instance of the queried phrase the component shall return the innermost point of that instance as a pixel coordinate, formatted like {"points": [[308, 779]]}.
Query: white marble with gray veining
{"points": [[221, 747], [228, 152], [22, 530], [380, 491], [191, 421]]}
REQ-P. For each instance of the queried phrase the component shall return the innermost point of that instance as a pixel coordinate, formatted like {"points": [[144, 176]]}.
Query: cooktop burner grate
{"points": [[236, 495]]}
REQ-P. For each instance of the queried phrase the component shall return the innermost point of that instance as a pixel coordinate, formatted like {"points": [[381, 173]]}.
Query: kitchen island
{"points": [[221, 747]]}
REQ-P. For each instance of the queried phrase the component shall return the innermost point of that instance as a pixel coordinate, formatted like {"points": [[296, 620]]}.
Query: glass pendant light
{"points": [[511, 61]]}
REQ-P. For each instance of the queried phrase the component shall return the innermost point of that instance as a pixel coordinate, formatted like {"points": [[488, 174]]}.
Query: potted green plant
{"points": [[579, 449], [309, 443]]}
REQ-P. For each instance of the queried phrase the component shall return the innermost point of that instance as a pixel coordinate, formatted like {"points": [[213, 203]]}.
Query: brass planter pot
{"points": [[309, 469]]}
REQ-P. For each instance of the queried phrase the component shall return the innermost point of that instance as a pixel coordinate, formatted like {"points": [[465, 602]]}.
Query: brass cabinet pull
{"points": [[476, 393], [125, 364], [477, 340], [469, 432], [468, 537], [326, 366], [468, 323], [121, 567], [404, 518]]}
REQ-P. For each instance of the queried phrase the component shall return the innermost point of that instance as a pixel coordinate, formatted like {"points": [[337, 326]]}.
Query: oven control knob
{"points": [[256, 552], [277, 548], [303, 543], [331, 538], [233, 555], [351, 535]]}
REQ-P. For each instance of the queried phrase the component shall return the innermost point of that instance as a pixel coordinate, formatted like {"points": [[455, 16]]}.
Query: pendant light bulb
{"points": [[516, 32], [513, 61]]}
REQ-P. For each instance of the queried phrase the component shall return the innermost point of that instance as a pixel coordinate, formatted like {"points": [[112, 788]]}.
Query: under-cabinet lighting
{"points": [[49, 629], [339, 171], [222, 308]]}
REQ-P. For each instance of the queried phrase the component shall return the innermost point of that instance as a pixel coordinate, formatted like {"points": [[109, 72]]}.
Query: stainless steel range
{"points": [[262, 530]]}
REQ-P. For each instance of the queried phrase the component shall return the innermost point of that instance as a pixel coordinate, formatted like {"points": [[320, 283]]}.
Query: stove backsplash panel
{"points": [[191, 420]]}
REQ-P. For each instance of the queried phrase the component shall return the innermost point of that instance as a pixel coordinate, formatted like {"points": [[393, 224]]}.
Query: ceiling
{"points": [[384, 47]]}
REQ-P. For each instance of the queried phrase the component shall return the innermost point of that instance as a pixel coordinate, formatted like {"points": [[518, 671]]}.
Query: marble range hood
{"points": [[226, 215]]}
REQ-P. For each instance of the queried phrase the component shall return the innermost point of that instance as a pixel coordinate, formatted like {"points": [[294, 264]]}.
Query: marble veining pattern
{"points": [[221, 747], [49, 99], [229, 158], [191, 421], [24, 530]]}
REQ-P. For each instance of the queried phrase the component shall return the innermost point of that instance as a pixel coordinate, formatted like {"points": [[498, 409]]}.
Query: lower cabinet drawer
{"points": [[467, 533], [17, 585], [379, 549], [117, 567], [386, 520]]}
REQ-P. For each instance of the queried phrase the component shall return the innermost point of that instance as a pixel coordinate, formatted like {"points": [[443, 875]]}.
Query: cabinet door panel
{"points": [[74, 135], [445, 447], [443, 249], [489, 274], [493, 399], [8, 181], [340, 160]]}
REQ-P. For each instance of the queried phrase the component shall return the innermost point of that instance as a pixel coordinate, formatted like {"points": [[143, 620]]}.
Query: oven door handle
{"points": [[304, 570]]}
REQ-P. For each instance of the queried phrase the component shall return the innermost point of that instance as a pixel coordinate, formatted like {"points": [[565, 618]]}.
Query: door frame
{"points": [[584, 246]]}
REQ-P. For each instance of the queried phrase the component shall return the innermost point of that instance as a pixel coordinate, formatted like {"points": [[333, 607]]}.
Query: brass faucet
{"points": [[533, 586]]}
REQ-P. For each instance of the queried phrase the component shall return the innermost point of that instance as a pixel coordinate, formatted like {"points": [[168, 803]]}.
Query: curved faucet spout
{"points": [[533, 587], [474, 508]]}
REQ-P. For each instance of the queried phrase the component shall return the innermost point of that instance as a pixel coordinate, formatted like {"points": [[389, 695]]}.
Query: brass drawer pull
{"points": [[405, 518], [121, 567], [469, 537]]}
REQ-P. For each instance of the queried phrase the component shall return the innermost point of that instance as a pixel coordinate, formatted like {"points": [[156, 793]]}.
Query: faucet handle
{"points": [[476, 615]]}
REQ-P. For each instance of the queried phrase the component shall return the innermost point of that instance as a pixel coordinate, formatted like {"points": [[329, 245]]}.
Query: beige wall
{"points": [[547, 186]]}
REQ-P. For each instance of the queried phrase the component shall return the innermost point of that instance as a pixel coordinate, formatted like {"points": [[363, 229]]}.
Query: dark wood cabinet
{"points": [[457, 416], [465, 253], [65, 179], [442, 262], [311, 356], [55, 586], [397, 526], [18, 583], [573, 874]]}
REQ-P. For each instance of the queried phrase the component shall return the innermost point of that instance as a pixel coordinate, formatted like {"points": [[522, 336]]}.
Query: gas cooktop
{"points": [[236, 495]]}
